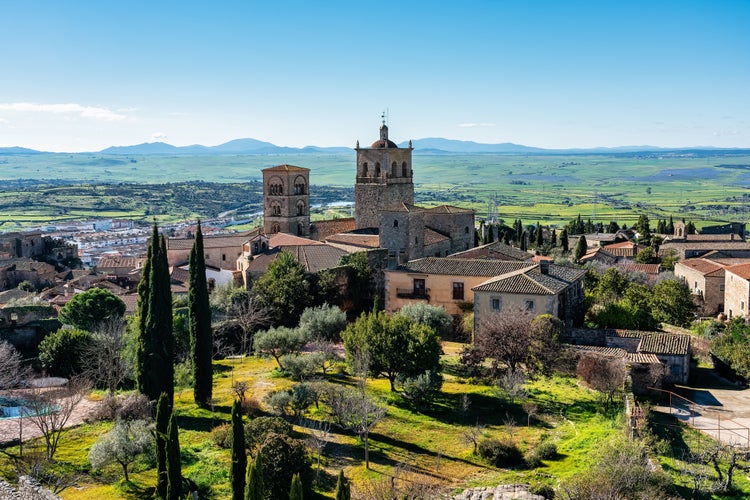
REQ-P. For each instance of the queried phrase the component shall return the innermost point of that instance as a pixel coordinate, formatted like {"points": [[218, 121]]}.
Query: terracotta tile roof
{"points": [[495, 250], [131, 302], [741, 270], [641, 358], [461, 267], [705, 245], [285, 168], [286, 239], [596, 254], [532, 281], [665, 343], [326, 228], [611, 352], [357, 240], [449, 209], [432, 237], [120, 262], [645, 268], [313, 257], [179, 275], [703, 266], [13, 294], [625, 244]]}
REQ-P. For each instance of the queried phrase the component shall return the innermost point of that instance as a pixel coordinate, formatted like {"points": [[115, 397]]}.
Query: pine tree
{"points": [[295, 493], [581, 248], [201, 338], [174, 468], [564, 240], [239, 458], [255, 489], [155, 349], [163, 411], [343, 490]]}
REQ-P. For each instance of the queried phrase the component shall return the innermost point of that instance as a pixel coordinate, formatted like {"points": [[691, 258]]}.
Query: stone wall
{"points": [[28, 489]]}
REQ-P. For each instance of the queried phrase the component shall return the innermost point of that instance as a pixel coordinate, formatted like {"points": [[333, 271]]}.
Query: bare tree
{"points": [[511, 383], [49, 409], [11, 371], [603, 374], [320, 432], [531, 409], [505, 338], [250, 315], [104, 357], [471, 435]]}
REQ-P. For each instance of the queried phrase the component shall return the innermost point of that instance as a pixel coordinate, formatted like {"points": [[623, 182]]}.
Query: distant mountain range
{"points": [[431, 145]]}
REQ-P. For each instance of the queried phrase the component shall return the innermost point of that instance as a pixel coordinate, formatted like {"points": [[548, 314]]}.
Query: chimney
{"points": [[544, 266]]}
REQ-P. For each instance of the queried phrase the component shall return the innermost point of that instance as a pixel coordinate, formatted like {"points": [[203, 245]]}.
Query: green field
{"points": [[548, 188]]}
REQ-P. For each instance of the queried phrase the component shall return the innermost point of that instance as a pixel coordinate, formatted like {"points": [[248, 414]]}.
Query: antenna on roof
{"points": [[382, 117]]}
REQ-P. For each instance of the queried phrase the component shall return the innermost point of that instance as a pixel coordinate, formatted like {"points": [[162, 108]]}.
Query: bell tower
{"points": [[384, 179], [286, 200]]}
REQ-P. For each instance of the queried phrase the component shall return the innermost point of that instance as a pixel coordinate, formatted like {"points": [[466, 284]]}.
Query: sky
{"points": [[84, 75]]}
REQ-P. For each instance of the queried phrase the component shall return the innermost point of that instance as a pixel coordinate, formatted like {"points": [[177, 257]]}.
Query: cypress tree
{"points": [[539, 235], [581, 248], [239, 458], [295, 493], [524, 241], [163, 411], [564, 240], [670, 226], [201, 341], [155, 349], [553, 238], [174, 468], [343, 491], [255, 488]]}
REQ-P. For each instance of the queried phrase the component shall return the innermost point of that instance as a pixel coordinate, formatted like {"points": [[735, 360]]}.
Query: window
{"points": [[404, 171], [721, 288], [742, 305], [377, 169], [275, 228], [364, 169], [300, 208], [458, 291], [529, 305], [395, 222], [466, 230], [223, 256], [419, 287], [394, 169], [495, 304]]}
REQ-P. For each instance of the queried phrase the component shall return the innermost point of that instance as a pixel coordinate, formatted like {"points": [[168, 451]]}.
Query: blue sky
{"points": [[84, 75]]}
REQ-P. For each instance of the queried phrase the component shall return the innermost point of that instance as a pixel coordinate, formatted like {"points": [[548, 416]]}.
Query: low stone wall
{"points": [[502, 492], [28, 489]]}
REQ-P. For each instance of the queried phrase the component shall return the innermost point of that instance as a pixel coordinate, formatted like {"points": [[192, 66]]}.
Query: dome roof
{"points": [[384, 143]]}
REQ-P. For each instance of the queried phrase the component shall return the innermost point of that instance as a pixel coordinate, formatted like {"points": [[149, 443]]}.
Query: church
{"points": [[385, 214]]}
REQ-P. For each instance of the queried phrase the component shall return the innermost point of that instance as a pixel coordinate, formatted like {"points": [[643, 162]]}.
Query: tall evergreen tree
{"points": [[581, 248], [343, 490], [539, 235], [163, 411], [564, 240], [255, 489], [553, 238], [239, 457], [670, 226], [155, 349], [201, 338], [174, 467], [295, 492], [524, 241]]}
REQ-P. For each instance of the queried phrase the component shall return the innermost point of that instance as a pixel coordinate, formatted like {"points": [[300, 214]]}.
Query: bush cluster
{"points": [[500, 453]]}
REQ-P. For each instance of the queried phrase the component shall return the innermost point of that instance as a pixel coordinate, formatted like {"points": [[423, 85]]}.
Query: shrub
{"points": [[436, 317], [283, 457], [422, 389], [125, 407], [257, 429], [221, 436], [299, 366], [250, 407], [61, 352], [546, 450], [279, 401], [500, 453], [323, 323]]}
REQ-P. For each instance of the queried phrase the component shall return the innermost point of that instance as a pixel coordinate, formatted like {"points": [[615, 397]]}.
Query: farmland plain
{"points": [[700, 186]]}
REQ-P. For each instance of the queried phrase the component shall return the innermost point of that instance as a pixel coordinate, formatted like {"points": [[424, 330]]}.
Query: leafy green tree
{"points": [[672, 302], [255, 488], [284, 289], [62, 352], [163, 413], [393, 345], [343, 489], [581, 248], [278, 342], [283, 457], [89, 309], [257, 429], [127, 440], [239, 456], [155, 348], [27, 286], [323, 323], [733, 346], [295, 493], [436, 317], [201, 338], [643, 228], [174, 466], [360, 280]]}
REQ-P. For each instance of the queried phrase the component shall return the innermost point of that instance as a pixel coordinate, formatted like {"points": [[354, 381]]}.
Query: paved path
{"points": [[722, 411], [9, 427]]}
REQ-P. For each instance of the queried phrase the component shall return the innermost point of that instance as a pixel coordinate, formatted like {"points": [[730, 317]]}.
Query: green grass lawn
{"points": [[428, 444]]}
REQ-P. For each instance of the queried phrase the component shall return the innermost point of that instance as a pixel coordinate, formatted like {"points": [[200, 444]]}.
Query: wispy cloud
{"points": [[469, 125], [158, 136], [92, 112]]}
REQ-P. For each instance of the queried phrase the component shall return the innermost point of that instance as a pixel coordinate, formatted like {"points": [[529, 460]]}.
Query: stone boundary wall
{"points": [[28, 489]]}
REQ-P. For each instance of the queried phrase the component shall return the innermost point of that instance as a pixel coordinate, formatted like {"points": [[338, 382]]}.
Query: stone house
{"points": [[540, 289], [706, 280], [495, 250], [220, 251], [446, 282], [737, 290]]}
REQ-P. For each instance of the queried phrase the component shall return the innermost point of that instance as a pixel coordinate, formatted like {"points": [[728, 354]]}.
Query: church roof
{"points": [[285, 168], [449, 209], [383, 143]]}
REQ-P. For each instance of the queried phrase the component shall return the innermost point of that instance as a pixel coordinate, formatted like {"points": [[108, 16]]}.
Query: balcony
{"points": [[410, 293]]}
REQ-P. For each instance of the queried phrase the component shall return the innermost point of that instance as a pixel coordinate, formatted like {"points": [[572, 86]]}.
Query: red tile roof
{"points": [[703, 266], [285, 168], [741, 270]]}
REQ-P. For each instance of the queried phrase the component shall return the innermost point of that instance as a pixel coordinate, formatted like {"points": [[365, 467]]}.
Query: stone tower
{"points": [[384, 179], [286, 200]]}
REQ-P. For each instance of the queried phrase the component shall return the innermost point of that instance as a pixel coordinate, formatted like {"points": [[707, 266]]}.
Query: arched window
{"points": [[377, 169], [395, 222], [466, 230], [404, 171], [299, 185], [364, 169], [300, 208], [275, 209], [394, 169], [275, 228]]}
